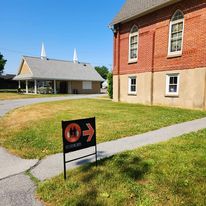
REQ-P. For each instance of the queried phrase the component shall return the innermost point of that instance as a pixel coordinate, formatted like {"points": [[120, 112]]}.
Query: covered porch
{"points": [[35, 86]]}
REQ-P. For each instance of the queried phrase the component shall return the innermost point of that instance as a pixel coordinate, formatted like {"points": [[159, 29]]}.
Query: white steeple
{"points": [[43, 52], [75, 58]]}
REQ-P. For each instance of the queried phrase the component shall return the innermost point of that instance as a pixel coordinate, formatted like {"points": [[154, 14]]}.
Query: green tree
{"points": [[2, 63], [103, 71], [110, 84]]}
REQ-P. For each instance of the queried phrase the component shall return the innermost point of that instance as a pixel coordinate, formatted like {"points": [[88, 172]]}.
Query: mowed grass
{"points": [[13, 95], [170, 173], [35, 131]]}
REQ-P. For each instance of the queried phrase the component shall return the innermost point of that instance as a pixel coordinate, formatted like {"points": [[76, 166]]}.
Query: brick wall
{"points": [[77, 85], [154, 37]]}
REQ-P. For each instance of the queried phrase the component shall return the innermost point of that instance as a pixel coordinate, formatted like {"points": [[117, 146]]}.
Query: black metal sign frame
{"points": [[77, 135]]}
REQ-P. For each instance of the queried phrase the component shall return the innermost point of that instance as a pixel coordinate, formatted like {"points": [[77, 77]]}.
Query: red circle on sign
{"points": [[72, 133]]}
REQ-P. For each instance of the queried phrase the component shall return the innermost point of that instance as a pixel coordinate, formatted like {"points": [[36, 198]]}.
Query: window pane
{"points": [[180, 26], [174, 36], [179, 44], [87, 85], [174, 28], [134, 46], [133, 82], [133, 53], [171, 80], [173, 88], [133, 88], [178, 15], [175, 80], [133, 39], [177, 27], [173, 46], [179, 34], [134, 29]]}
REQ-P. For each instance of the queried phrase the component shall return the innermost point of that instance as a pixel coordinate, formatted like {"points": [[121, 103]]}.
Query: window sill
{"points": [[175, 55], [132, 94], [172, 95], [132, 61]]}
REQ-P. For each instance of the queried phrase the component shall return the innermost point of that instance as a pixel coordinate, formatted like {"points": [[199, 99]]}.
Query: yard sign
{"points": [[77, 135]]}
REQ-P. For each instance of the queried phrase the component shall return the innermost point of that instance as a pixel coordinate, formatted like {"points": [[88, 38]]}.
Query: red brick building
{"points": [[160, 53]]}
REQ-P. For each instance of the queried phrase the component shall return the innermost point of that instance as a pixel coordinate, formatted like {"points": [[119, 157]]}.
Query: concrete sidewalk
{"points": [[12, 165], [53, 164], [18, 190]]}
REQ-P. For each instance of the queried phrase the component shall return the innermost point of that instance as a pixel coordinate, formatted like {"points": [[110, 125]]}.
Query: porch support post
{"points": [[19, 84], [27, 90], [55, 88], [35, 86]]}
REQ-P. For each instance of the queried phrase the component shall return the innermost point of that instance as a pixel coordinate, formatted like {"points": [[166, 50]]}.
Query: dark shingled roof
{"points": [[135, 8]]}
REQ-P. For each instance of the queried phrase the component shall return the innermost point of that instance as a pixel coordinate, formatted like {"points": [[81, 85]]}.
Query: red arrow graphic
{"points": [[89, 132]]}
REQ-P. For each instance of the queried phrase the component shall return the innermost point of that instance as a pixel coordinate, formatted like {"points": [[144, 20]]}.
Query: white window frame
{"points": [[168, 76], [87, 85], [176, 53], [132, 34], [130, 85]]}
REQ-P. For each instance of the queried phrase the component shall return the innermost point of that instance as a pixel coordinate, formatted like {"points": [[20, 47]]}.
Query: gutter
{"points": [[118, 60], [51, 79]]}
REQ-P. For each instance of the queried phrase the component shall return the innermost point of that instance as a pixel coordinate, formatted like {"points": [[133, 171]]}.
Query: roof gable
{"points": [[24, 68]]}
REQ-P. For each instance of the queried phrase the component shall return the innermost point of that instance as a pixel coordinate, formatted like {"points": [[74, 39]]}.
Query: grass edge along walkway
{"points": [[169, 173], [52, 164]]}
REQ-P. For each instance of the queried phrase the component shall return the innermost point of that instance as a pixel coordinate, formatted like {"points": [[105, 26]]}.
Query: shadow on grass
{"points": [[110, 171]]}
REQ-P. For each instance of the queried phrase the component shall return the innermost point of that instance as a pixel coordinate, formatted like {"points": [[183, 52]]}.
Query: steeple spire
{"points": [[43, 52], [75, 58]]}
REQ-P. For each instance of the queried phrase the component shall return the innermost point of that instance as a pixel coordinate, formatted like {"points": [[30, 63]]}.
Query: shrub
{"points": [[110, 85]]}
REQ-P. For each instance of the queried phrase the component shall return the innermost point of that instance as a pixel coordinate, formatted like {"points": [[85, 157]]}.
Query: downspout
{"points": [[116, 51], [152, 71], [118, 60]]}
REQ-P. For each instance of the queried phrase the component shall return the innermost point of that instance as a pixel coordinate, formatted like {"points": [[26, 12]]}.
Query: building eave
{"points": [[135, 16], [17, 78]]}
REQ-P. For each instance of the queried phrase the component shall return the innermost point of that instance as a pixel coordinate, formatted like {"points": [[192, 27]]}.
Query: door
{"points": [[63, 87]]}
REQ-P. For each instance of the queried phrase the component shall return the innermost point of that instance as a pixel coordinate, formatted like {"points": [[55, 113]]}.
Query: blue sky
{"points": [[62, 25]]}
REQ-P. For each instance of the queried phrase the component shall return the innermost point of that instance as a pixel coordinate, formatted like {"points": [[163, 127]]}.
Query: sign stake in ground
{"points": [[77, 135]]}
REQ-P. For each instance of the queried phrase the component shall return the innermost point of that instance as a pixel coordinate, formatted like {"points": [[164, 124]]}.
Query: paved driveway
{"points": [[8, 105]]}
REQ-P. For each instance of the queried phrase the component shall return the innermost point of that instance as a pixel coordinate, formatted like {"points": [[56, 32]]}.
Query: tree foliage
{"points": [[103, 71], [110, 84], [2, 63]]}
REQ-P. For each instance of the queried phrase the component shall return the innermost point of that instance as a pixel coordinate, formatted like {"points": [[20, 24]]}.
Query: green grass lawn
{"points": [[15, 95], [170, 173], [35, 131]]}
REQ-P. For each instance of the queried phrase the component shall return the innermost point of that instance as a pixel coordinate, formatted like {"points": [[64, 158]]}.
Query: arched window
{"points": [[176, 34], [133, 44]]}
